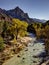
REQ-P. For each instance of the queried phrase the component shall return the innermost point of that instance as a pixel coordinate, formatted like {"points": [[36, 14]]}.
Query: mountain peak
{"points": [[17, 9]]}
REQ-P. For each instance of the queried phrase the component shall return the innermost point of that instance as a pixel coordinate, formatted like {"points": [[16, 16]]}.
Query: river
{"points": [[28, 56]]}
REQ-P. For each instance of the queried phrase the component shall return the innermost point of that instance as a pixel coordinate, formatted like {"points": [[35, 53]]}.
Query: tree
{"points": [[1, 44], [47, 39], [5, 26], [31, 29]]}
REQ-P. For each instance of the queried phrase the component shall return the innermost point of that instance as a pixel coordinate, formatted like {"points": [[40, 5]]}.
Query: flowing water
{"points": [[27, 56]]}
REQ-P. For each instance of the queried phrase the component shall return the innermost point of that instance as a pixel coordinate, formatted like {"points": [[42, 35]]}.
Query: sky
{"points": [[35, 8]]}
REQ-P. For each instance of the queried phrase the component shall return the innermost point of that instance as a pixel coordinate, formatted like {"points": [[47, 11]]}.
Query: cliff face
{"points": [[4, 16]]}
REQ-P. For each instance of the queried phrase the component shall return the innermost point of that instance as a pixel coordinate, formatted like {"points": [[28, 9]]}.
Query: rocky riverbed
{"points": [[29, 55]]}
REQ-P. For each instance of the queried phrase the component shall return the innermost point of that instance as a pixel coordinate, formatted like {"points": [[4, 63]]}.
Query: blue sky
{"points": [[35, 8]]}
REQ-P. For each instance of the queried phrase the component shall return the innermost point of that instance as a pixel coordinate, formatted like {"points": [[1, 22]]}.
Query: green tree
{"points": [[1, 43]]}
